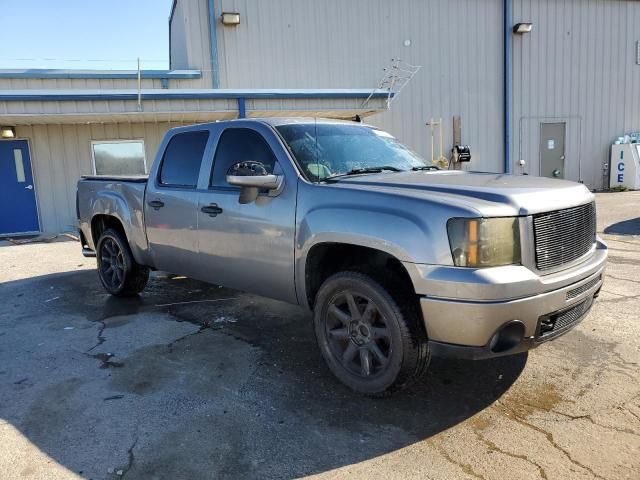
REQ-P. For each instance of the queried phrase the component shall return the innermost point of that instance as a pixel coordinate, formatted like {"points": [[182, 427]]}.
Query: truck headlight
{"points": [[484, 242]]}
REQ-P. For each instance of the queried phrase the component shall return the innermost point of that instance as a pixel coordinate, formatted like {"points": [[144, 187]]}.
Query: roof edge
{"points": [[49, 73], [56, 95]]}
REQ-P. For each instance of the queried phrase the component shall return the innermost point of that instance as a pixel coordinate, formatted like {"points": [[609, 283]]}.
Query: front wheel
{"points": [[119, 273], [371, 343]]}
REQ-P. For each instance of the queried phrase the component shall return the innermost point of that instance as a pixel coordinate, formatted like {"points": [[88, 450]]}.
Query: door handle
{"points": [[29, 187], [213, 209], [156, 204]]}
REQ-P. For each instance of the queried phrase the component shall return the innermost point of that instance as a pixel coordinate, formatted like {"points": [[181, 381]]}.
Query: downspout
{"points": [[214, 46], [242, 109], [507, 86]]}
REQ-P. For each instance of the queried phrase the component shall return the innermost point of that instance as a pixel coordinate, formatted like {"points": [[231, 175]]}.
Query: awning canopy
{"points": [[30, 107]]}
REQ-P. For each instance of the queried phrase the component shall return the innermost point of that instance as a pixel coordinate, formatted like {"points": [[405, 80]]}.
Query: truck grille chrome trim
{"points": [[576, 292], [553, 324], [563, 236]]}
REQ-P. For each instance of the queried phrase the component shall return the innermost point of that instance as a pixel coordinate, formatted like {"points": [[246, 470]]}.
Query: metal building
{"points": [[576, 80], [572, 83], [554, 98]]}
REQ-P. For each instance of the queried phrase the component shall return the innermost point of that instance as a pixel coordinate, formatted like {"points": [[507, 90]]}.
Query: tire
{"points": [[120, 275], [374, 342]]}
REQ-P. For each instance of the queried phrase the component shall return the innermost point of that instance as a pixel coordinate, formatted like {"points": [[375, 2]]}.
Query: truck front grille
{"points": [[564, 235]]}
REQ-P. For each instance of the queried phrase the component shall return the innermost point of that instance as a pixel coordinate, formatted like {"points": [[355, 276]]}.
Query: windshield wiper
{"points": [[360, 171], [425, 167]]}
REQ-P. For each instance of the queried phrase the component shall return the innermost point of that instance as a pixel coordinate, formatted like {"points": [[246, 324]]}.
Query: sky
{"points": [[84, 34]]}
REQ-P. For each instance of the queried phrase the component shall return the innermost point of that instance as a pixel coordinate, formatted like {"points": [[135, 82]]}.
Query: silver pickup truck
{"points": [[398, 260]]}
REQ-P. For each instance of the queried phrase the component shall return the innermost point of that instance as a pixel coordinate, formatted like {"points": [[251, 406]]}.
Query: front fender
{"points": [[401, 234]]}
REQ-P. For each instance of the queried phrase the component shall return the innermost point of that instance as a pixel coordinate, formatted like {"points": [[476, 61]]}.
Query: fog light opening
{"points": [[508, 337]]}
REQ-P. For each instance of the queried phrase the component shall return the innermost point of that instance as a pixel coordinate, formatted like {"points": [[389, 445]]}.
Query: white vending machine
{"points": [[625, 166]]}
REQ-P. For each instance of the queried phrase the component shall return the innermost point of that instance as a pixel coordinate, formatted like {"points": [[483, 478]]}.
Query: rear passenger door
{"points": [[171, 203], [249, 246]]}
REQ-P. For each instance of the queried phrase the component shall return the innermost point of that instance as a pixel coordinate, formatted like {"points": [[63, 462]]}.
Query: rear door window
{"points": [[182, 158]]}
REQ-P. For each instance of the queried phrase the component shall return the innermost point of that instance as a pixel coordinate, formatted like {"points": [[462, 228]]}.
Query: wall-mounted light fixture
{"points": [[7, 132], [522, 28], [230, 18]]}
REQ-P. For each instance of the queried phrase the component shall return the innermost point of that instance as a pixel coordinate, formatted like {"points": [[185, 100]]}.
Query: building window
{"points": [[119, 157]]}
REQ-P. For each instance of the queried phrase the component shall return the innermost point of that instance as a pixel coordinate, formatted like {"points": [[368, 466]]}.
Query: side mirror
{"points": [[252, 177]]}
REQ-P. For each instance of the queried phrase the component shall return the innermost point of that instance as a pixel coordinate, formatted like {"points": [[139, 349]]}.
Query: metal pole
{"points": [[139, 87], [430, 123], [441, 143]]}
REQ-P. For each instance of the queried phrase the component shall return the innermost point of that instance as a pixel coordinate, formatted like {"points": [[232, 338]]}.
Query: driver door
{"points": [[248, 246]]}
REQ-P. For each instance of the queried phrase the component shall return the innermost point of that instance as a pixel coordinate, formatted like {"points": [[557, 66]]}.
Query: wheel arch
{"points": [[102, 222], [324, 259]]}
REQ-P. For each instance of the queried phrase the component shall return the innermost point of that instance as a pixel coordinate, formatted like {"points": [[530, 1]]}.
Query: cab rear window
{"points": [[182, 158]]}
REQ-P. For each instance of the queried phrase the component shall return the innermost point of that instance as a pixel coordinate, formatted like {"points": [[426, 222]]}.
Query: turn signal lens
{"points": [[484, 242]]}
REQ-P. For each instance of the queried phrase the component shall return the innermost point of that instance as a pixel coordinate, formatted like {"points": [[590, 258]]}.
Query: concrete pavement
{"points": [[195, 381]]}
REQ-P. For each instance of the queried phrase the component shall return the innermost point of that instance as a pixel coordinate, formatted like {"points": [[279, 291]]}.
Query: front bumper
{"points": [[491, 350], [468, 327]]}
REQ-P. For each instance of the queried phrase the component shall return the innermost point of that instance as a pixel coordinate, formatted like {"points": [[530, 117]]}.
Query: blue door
{"points": [[18, 210]]}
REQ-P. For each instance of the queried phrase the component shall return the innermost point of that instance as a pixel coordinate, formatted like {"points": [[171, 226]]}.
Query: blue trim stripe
{"points": [[215, 78], [507, 86], [79, 95], [99, 74], [242, 108]]}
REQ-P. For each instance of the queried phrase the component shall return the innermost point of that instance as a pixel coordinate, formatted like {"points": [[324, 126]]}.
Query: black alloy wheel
{"points": [[112, 266], [357, 334], [118, 271], [373, 341]]}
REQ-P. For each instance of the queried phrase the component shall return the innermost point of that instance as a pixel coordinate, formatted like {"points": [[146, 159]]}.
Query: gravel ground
{"points": [[196, 381]]}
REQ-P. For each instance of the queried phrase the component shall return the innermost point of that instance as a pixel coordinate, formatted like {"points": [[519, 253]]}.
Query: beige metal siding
{"points": [[190, 42], [338, 44], [99, 83], [78, 83], [577, 66], [60, 154], [178, 51]]}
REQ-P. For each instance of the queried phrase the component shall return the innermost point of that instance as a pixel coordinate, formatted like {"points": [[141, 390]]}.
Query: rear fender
{"points": [[129, 212]]}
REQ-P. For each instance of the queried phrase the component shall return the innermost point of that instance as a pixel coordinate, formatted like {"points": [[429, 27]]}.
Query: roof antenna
{"points": [[395, 78]]}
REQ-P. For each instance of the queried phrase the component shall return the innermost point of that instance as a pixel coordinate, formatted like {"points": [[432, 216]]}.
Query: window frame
{"points": [[128, 140], [297, 166], [158, 177], [217, 146]]}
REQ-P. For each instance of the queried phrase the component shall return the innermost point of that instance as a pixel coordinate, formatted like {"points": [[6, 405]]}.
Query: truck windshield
{"points": [[325, 151]]}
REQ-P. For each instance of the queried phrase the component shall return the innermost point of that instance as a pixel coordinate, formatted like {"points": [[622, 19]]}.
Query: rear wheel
{"points": [[374, 343], [119, 273]]}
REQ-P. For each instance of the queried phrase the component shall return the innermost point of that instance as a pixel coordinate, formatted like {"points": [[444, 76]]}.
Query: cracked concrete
{"points": [[100, 338], [131, 459], [154, 387]]}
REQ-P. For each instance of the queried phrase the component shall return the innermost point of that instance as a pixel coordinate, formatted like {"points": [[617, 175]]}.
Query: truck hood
{"points": [[486, 193]]}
